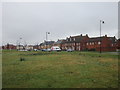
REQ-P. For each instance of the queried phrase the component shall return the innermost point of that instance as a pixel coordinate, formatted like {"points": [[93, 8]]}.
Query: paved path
{"points": [[115, 53]]}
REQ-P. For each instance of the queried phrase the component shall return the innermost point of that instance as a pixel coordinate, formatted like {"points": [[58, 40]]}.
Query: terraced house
{"points": [[118, 44], [104, 42], [59, 43], [81, 43], [46, 44], [9, 46], [75, 42]]}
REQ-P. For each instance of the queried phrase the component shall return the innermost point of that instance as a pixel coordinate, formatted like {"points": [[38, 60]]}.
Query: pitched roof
{"points": [[95, 39], [78, 38], [113, 39], [47, 43], [60, 41]]}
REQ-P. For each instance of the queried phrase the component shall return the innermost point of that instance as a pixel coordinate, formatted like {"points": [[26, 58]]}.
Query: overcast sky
{"points": [[31, 21]]}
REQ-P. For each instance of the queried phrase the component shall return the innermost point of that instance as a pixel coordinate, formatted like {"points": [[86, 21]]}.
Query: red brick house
{"points": [[36, 47], [118, 45], [9, 46], [46, 44], [104, 42], [59, 43], [75, 42], [81, 43]]}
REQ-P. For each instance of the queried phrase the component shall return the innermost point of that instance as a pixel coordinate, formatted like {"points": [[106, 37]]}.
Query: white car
{"points": [[35, 49], [55, 48], [48, 49], [69, 50]]}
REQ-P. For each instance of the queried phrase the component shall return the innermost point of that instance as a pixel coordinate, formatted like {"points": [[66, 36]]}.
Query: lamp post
{"points": [[19, 43], [46, 35], [101, 22], [47, 38]]}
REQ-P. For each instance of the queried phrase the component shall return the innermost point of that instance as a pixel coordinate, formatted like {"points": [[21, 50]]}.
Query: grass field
{"points": [[59, 70]]}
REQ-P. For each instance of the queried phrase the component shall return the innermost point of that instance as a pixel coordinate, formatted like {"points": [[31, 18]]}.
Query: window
{"points": [[90, 43], [98, 42], [74, 39], [87, 43], [111, 44]]}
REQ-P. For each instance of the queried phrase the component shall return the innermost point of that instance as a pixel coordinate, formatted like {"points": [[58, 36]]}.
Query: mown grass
{"points": [[59, 70]]}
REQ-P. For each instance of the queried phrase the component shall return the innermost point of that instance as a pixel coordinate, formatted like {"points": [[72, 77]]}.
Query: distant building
{"points": [[20, 47], [59, 43], [118, 45], [81, 43], [42, 46], [9, 46], [46, 44], [29, 47], [104, 42], [36, 47], [75, 42], [24, 47]]}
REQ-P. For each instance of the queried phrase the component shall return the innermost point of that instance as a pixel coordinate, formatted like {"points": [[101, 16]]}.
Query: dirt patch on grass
{"points": [[107, 60], [71, 63]]}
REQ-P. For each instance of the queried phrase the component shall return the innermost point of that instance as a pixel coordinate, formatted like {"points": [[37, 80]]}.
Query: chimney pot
{"points": [[105, 35]]}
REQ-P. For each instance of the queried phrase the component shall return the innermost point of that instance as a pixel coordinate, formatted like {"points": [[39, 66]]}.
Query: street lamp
{"points": [[47, 38], [20, 42], [46, 35], [101, 22]]}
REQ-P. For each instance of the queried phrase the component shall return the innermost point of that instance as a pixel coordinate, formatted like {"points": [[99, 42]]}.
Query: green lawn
{"points": [[59, 70]]}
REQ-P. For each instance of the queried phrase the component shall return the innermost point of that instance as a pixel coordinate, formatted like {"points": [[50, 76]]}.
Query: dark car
{"points": [[44, 50]]}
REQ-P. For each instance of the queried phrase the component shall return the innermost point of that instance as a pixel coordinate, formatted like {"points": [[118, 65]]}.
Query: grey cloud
{"points": [[32, 20]]}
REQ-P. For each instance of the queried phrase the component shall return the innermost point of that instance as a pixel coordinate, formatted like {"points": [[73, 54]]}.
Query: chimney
{"points": [[81, 35], [87, 35], [105, 35]]}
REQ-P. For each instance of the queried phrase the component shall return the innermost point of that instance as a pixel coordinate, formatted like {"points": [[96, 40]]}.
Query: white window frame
{"points": [[99, 43], [74, 39]]}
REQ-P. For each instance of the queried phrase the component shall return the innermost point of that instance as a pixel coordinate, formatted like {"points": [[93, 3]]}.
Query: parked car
{"points": [[43, 50], [48, 50], [69, 50], [64, 50], [22, 50], [55, 48], [35, 49]]}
